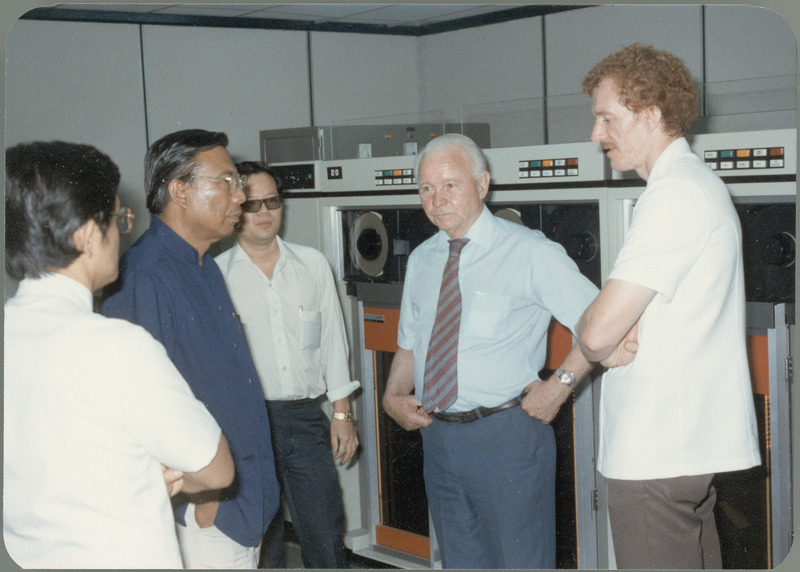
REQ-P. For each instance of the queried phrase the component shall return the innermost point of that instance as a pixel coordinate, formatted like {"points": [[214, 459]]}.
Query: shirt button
{"points": [[250, 379]]}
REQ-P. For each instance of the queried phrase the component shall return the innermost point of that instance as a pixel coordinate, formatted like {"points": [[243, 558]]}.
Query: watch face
{"points": [[567, 378]]}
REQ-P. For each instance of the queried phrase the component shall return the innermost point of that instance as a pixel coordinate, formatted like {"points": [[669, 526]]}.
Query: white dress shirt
{"points": [[292, 322], [684, 406], [93, 406]]}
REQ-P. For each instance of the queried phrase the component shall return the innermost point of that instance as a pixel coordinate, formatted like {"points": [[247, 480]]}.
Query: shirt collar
{"points": [[176, 245], [238, 255], [675, 149], [56, 284], [480, 232]]}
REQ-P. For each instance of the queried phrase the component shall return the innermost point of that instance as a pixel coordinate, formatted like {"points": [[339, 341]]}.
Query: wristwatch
{"points": [[567, 378], [344, 416]]}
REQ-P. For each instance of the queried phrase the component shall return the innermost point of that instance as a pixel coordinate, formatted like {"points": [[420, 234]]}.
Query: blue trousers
{"points": [[491, 491], [310, 486]]}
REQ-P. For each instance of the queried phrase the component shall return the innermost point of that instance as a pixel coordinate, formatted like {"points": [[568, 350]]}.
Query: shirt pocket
{"points": [[485, 315], [310, 330]]}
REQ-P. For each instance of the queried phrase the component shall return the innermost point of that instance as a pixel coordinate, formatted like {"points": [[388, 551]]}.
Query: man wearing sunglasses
{"points": [[170, 285], [290, 311]]}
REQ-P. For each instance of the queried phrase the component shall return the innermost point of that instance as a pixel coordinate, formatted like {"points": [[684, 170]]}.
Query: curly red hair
{"points": [[646, 77]]}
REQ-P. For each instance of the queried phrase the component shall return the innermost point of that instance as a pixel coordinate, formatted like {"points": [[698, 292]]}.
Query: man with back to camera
{"points": [[85, 397], [682, 410], [171, 286], [472, 338], [290, 311]]}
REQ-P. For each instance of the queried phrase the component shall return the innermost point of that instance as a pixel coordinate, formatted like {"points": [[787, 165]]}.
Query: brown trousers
{"points": [[664, 523]]}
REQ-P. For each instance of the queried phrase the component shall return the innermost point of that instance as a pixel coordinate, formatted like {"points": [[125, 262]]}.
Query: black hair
{"points": [[173, 157], [52, 189], [247, 168]]}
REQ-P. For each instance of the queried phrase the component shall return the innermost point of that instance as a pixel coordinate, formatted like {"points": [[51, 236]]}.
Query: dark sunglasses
{"points": [[254, 205]]}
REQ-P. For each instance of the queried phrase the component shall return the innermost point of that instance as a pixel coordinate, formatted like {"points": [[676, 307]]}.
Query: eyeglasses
{"points": [[124, 217], [234, 183], [254, 205]]}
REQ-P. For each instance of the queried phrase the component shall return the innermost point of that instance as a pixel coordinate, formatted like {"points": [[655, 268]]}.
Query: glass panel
{"points": [[404, 504]]}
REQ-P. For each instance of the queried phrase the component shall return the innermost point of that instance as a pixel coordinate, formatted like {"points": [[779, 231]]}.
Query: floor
{"points": [[295, 562]]}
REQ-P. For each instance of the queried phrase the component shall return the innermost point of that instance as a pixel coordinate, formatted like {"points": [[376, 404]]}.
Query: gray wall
{"points": [[121, 86]]}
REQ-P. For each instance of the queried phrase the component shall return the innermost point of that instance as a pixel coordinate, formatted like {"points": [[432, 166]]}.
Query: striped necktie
{"points": [[440, 388]]}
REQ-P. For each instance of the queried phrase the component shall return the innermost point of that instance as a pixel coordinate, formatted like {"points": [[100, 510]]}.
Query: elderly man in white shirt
{"points": [[287, 302]]}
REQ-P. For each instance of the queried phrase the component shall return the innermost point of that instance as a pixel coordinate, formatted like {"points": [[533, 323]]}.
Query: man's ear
{"points": [[84, 237], [483, 184], [177, 190], [652, 117]]}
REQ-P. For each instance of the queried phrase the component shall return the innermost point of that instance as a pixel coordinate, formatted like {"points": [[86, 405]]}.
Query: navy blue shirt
{"points": [[185, 305]]}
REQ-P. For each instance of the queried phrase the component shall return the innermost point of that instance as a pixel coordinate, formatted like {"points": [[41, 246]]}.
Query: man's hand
{"points": [[543, 399], [626, 349], [344, 440], [206, 507], [406, 410], [173, 478]]}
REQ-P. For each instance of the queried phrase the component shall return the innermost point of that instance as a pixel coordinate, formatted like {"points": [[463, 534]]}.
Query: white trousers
{"points": [[210, 548]]}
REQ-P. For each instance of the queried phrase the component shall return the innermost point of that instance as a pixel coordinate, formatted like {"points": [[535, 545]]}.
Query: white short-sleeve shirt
{"points": [[684, 406], [92, 408]]}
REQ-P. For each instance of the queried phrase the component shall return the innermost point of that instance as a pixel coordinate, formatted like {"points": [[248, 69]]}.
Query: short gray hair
{"points": [[478, 159]]}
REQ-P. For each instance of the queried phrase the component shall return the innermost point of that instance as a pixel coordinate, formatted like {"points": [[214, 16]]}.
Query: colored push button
{"points": [[566, 167], [775, 151], [727, 154], [742, 153]]}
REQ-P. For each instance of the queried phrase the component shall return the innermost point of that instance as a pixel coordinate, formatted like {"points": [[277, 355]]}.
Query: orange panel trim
{"points": [[559, 344], [758, 358], [380, 329], [408, 542]]}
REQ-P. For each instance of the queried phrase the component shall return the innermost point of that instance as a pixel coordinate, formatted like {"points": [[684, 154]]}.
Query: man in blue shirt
{"points": [[171, 286], [489, 467]]}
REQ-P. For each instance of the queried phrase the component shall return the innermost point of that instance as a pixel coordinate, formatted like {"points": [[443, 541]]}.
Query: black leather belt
{"points": [[475, 414]]}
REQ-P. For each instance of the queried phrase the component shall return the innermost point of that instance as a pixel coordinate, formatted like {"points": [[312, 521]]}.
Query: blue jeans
{"points": [[491, 491], [310, 486]]}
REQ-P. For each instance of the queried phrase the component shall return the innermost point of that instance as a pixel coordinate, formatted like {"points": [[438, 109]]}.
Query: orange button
{"points": [[743, 152], [776, 151], [547, 163]]}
